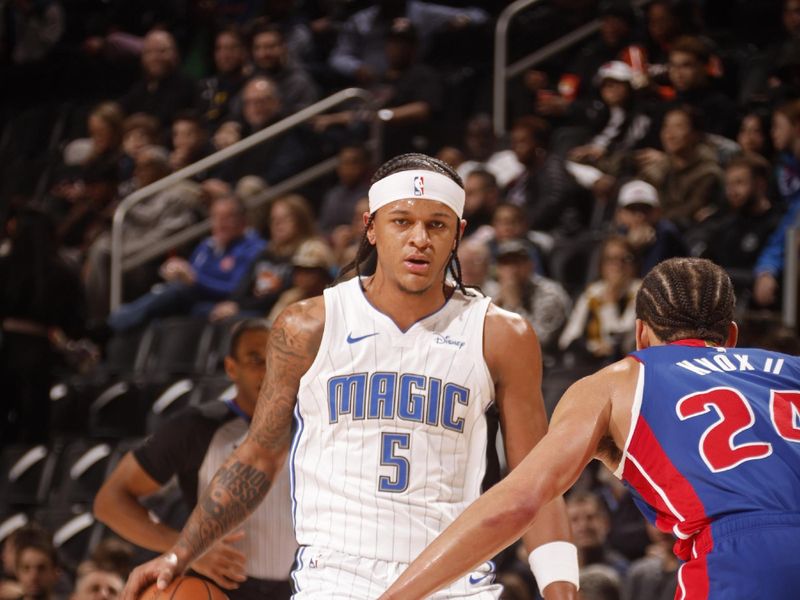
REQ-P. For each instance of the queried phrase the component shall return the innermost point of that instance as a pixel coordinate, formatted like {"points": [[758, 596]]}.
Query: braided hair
{"points": [[687, 298], [366, 255]]}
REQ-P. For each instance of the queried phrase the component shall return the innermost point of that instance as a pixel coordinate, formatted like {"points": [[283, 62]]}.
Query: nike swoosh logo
{"points": [[474, 580], [353, 340]]}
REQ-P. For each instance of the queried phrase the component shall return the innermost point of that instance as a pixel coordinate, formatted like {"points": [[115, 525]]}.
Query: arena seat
{"points": [[75, 532], [26, 474], [83, 466], [176, 346]]}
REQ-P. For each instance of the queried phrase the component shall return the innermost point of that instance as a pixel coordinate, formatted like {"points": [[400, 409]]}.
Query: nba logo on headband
{"points": [[419, 185]]}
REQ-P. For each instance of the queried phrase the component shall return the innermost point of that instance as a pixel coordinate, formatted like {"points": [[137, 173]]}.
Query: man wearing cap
{"points": [[389, 376], [542, 301], [638, 217]]}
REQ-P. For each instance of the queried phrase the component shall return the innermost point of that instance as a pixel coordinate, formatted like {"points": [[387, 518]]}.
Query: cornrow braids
{"points": [[367, 254], [687, 298]]}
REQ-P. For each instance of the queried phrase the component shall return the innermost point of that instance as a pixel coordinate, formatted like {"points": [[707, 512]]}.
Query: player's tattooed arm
{"points": [[242, 482]]}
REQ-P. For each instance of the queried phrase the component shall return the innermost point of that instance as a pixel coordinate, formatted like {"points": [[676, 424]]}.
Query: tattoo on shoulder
{"points": [[237, 489], [292, 346]]}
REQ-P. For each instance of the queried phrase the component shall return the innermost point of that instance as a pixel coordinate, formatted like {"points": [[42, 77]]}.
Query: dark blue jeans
{"points": [[163, 301]]}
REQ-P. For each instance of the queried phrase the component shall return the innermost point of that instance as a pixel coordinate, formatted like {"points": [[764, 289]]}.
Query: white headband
{"points": [[418, 183]]}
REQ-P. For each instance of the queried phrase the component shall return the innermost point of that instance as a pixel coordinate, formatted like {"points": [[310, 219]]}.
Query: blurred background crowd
{"points": [[673, 129]]}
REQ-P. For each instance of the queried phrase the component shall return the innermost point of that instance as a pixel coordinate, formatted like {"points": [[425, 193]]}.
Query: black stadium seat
{"points": [[26, 473], [177, 346], [75, 532], [83, 466]]}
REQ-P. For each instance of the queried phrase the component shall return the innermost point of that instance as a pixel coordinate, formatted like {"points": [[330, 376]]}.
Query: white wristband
{"points": [[554, 561]]}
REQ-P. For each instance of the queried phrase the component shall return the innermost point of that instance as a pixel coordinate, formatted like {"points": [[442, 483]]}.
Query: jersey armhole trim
{"points": [[322, 351], [636, 408], [479, 356]]}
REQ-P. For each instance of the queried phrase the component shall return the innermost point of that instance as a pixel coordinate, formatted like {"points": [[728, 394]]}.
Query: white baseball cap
{"points": [[637, 192], [616, 70]]}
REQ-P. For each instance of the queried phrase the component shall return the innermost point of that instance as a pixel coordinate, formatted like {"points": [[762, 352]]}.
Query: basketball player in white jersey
{"points": [[388, 378]]}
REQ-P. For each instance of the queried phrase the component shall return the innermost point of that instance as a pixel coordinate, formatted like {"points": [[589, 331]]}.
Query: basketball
{"points": [[184, 588]]}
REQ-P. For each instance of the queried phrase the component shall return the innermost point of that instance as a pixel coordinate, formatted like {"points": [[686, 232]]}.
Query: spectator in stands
{"points": [[345, 238], [481, 197], [600, 326], [113, 554], [546, 191], [312, 272], [638, 218], [666, 21], [104, 125], [138, 131], [736, 236], [95, 583], [272, 160], [192, 445], [31, 276], [408, 93], [617, 123], [687, 174], [688, 73], [29, 532], [654, 576], [100, 152], [271, 59], [291, 222], [761, 75], [543, 302], [359, 53], [163, 91], [590, 524], [753, 136], [89, 211], [599, 582], [770, 263], [146, 223], [617, 26], [481, 151], [353, 172], [210, 275], [475, 261], [218, 95], [189, 140], [37, 569]]}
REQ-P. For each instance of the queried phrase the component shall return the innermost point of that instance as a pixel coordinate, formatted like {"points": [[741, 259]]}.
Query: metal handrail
{"points": [[791, 274], [503, 72], [117, 265]]}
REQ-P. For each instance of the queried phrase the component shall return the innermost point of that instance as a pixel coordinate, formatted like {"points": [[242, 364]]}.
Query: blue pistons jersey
{"points": [[713, 451]]}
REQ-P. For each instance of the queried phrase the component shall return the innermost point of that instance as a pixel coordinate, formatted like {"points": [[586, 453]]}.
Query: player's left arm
{"points": [[514, 357]]}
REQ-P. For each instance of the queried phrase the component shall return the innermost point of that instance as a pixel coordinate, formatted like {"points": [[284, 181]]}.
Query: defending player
{"points": [[707, 437], [389, 378]]}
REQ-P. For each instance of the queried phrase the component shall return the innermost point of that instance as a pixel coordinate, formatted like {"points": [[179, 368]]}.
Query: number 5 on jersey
{"points": [[717, 446], [390, 444]]}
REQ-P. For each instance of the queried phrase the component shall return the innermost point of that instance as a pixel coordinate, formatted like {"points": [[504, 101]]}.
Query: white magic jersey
{"points": [[269, 543], [391, 435]]}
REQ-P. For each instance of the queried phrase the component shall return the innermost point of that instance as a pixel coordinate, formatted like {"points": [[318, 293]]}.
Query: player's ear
{"points": [[733, 335], [231, 368], [370, 228], [642, 337]]}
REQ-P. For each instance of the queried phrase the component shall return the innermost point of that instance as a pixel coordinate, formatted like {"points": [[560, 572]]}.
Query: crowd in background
{"points": [[672, 131]]}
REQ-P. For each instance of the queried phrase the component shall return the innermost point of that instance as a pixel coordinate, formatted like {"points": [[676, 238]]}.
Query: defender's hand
{"points": [[162, 569]]}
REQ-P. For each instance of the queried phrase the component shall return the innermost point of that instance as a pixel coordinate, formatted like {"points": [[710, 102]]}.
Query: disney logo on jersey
{"points": [[447, 340], [419, 185]]}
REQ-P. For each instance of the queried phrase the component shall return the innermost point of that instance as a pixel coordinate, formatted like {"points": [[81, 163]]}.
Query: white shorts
{"points": [[325, 574]]}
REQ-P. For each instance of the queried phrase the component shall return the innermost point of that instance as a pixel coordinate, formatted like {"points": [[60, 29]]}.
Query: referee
{"points": [[254, 561]]}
